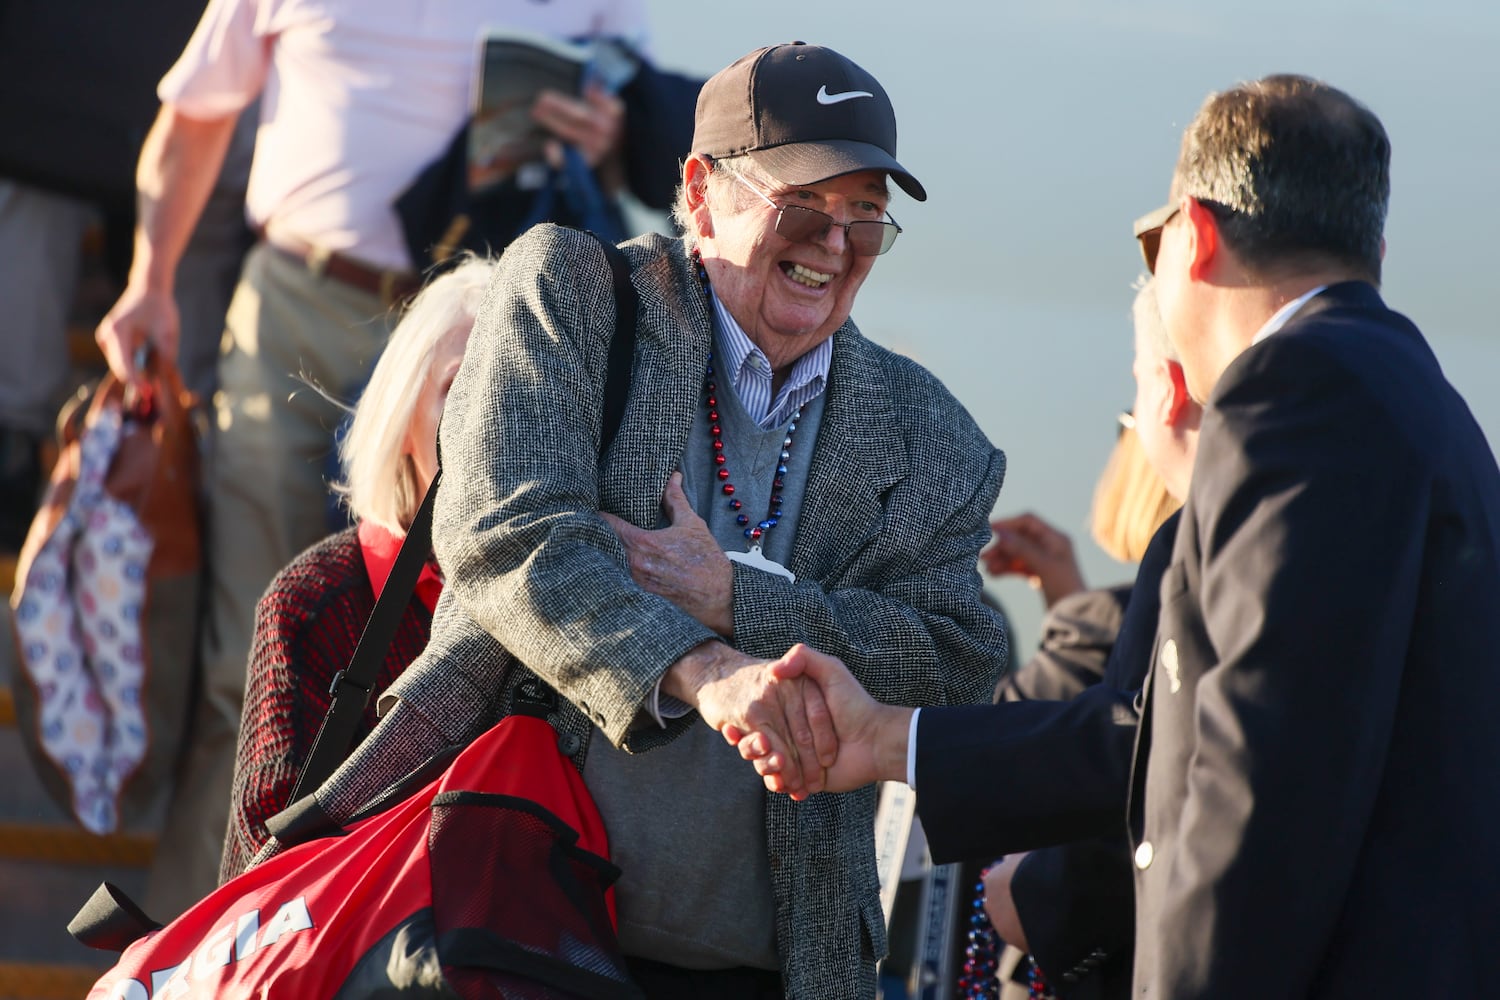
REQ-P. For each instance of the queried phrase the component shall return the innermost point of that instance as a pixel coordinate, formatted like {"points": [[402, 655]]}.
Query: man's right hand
{"points": [[140, 317], [872, 737]]}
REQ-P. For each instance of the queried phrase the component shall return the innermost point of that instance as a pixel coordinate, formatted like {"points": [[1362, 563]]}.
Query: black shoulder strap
{"points": [[352, 685], [621, 347]]}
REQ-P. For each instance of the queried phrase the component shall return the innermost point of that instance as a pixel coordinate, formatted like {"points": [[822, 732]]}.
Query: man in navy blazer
{"points": [[1315, 801]]}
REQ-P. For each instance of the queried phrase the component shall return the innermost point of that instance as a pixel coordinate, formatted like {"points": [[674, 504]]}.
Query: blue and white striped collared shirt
{"points": [[749, 371]]}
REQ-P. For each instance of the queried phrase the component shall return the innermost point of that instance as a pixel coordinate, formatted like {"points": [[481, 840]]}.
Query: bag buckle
{"points": [[341, 678]]}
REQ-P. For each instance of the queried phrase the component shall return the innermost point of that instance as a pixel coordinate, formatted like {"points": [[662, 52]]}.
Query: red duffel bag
{"points": [[492, 881]]}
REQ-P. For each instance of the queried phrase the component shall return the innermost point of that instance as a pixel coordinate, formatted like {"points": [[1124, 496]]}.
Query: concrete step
{"points": [[40, 900], [32, 823], [25, 802], [49, 867]]}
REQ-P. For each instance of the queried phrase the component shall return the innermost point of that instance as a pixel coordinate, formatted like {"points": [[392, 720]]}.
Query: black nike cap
{"points": [[804, 114]]}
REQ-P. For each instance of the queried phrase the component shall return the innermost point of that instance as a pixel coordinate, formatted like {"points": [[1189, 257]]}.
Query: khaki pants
{"points": [[290, 337]]}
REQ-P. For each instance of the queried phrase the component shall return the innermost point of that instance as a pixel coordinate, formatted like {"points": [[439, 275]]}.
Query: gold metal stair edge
{"points": [[33, 981], [72, 846]]}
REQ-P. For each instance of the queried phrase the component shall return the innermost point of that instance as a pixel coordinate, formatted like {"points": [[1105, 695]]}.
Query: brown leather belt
{"points": [[391, 287]]}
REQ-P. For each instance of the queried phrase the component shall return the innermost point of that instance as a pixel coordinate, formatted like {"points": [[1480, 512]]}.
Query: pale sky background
{"points": [[1041, 130]]}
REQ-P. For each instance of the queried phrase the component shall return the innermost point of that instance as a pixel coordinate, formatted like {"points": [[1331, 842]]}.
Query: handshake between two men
{"points": [[857, 739], [803, 720]]}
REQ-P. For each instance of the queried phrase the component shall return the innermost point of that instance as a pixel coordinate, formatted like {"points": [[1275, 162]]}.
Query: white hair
{"points": [[718, 184], [1151, 339], [380, 483]]}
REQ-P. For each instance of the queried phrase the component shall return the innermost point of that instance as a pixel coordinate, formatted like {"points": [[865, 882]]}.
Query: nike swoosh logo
{"points": [[824, 97]]}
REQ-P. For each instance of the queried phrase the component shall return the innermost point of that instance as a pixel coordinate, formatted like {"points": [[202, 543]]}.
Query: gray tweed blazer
{"points": [[897, 502]]}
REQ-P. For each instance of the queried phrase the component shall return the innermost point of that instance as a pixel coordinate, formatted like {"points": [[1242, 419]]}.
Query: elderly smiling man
{"points": [[777, 479]]}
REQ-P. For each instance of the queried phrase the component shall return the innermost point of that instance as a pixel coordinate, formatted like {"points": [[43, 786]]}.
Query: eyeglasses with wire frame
{"points": [[796, 224]]}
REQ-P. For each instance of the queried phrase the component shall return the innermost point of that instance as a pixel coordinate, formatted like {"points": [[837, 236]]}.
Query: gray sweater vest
{"points": [[686, 822]]}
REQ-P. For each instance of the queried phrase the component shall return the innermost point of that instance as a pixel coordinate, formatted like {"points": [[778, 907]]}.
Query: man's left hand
{"points": [[681, 562]]}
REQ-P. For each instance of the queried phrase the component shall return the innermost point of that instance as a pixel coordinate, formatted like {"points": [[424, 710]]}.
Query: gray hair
{"points": [[1151, 340], [1294, 170], [717, 186], [380, 482]]}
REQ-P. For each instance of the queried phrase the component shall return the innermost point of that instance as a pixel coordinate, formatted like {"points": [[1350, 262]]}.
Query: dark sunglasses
{"points": [[1148, 231], [796, 224]]}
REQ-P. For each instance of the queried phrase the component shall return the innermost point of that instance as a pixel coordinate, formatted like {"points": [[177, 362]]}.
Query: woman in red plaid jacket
{"points": [[310, 619]]}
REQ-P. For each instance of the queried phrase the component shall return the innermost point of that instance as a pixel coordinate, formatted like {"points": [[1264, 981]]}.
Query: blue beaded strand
{"points": [[1036, 983], [774, 509], [980, 977], [711, 400]]}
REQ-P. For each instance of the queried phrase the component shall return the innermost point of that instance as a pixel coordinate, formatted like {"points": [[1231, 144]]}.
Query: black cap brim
{"points": [[812, 162]]}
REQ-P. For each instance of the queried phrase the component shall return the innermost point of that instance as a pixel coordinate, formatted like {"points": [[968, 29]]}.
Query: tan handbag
{"points": [[106, 600]]}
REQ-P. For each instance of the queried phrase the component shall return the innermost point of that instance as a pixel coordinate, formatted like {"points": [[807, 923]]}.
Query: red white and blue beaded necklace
{"points": [[756, 533]]}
